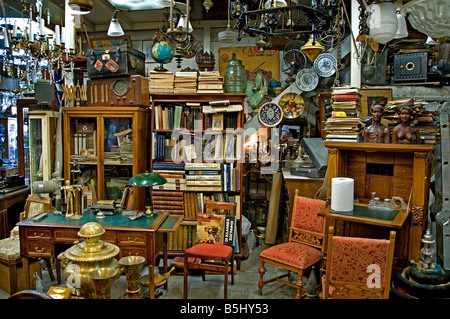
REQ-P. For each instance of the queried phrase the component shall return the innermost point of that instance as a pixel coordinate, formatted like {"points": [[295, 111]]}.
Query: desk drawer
{"points": [[380, 158], [356, 168], [38, 233], [131, 238], [39, 249], [403, 171]]}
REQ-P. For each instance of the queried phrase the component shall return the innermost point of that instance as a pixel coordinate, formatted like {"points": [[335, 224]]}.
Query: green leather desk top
{"points": [[116, 220], [372, 213]]}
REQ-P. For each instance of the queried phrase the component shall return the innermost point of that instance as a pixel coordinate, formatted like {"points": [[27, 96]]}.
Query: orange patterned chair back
{"points": [[307, 227], [358, 267]]}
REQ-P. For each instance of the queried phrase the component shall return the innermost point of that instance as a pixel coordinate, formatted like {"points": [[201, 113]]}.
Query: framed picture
{"points": [[147, 50], [35, 205], [267, 63], [371, 95], [104, 42]]}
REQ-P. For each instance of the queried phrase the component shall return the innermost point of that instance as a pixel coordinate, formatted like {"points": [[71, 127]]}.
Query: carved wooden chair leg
{"points": [[262, 271], [299, 284]]}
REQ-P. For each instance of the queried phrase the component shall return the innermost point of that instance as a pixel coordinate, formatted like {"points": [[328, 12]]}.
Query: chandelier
{"points": [[29, 49]]}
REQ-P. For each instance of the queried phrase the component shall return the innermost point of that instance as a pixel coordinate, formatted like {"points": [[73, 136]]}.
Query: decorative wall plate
{"points": [[270, 114], [325, 65], [307, 79], [292, 105]]}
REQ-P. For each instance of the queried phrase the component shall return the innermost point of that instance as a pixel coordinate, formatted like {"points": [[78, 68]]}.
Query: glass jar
{"points": [[235, 77]]}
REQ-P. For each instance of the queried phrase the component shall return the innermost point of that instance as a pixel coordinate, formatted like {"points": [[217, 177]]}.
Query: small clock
{"points": [[120, 87]]}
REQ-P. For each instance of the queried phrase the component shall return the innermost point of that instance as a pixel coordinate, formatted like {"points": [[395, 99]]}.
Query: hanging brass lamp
{"points": [[312, 48]]}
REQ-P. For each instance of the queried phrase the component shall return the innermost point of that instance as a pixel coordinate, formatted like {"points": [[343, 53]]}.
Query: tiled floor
{"points": [[245, 286]]}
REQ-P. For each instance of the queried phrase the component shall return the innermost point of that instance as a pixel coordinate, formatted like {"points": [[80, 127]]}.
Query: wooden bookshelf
{"points": [[214, 172]]}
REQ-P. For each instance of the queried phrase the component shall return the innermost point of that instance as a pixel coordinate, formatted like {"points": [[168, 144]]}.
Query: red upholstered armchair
{"points": [[211, 256], [305, 247], [358, 268]]}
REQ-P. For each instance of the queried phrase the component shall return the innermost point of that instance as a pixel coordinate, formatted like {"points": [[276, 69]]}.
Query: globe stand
{"points": [[161, 68]]}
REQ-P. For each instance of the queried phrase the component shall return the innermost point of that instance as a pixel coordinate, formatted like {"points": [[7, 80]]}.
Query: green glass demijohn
{"points": [[235, 77]]}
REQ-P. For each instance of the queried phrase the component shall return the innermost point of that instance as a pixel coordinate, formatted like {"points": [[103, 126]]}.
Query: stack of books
{"points": [[345, 123], [174, 173], [210, 82], [168, 201], [161, 82], [428, 118], [202, 177], [185, 82]]}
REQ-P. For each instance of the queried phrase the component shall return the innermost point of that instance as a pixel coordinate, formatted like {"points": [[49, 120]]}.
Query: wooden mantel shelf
{"points": [[380, 147]]}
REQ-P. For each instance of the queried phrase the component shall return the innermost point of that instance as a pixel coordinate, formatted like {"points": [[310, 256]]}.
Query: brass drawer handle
{"points": [[41, 235], [39, 250], [129, 254], [135, 240]]}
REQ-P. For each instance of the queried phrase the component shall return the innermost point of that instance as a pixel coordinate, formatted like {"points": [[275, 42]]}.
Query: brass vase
{"points": [[132, 266], [103, 278]]}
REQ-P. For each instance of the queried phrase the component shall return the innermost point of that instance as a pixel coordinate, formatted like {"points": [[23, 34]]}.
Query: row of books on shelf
{"points": [[209, 146], [191, 117], [200, 177], [189, 204], [186, 82]]}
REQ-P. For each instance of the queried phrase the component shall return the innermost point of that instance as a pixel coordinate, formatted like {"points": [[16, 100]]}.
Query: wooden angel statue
{"points": [[407, 132], [377, 132]]}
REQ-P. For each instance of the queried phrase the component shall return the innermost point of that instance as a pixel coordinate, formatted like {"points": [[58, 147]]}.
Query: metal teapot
{"points": [[90, 254]]}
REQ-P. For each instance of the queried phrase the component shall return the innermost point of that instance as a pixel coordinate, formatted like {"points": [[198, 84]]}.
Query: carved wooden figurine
{"points": [[377, 132], [407, 132]]}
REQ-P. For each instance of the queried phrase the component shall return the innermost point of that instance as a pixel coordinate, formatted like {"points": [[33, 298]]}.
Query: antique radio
{"points": [[410, 66], [114, 61], [125, 91]]}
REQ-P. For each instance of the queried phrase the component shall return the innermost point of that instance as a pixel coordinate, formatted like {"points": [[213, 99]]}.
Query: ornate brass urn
{"points": [[90, 254]]}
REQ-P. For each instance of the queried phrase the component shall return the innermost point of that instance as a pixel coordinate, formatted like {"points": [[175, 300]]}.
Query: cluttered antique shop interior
{"points": [[314, 164]]}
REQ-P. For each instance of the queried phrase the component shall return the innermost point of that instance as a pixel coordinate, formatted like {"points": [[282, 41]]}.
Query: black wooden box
{"points": [[114, 61]]}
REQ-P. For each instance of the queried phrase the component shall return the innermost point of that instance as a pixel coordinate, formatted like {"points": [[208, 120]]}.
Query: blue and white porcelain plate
{"points": [[270, 114], [325, 65], [307, 79]]}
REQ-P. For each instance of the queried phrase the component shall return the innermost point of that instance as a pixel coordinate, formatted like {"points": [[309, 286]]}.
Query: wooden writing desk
{"points": [[144, 237], [372, 223]]}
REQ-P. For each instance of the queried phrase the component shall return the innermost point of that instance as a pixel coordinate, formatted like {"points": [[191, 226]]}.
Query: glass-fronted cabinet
{"points": [[104, 147], [42, 127]]}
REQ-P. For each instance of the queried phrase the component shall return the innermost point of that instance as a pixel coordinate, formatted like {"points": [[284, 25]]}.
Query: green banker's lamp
{"points": [[147, 180]]}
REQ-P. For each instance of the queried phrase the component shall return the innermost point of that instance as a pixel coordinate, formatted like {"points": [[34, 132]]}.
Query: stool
{"points": [[10, 257], [10, 262]]}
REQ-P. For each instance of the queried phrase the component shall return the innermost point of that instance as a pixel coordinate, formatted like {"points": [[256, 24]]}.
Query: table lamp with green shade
{"points": [[147, 180]]}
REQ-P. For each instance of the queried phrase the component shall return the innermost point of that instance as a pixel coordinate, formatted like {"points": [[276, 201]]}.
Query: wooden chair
{"points": [[35, 205], [305, 247], [200, 255], [358, 268]]}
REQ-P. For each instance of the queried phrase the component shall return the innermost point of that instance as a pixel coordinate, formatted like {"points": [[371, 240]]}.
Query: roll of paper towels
{"points": [[342, 194]]}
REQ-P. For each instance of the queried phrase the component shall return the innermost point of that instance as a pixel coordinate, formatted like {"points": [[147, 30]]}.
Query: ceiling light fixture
{"points": [[115, 29], [382, 21], [80, 7], [228, 36]]}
